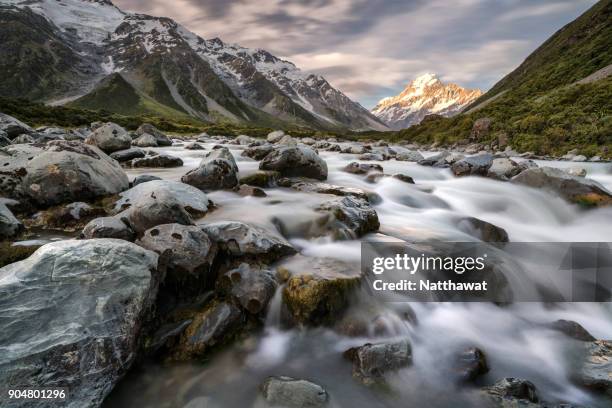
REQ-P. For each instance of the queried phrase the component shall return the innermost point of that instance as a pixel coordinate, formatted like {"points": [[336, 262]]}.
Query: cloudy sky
{"points": [[370, 49]]}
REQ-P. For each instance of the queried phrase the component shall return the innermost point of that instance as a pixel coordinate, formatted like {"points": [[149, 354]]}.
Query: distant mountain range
{"points": [[90, 54], [424, 96]]}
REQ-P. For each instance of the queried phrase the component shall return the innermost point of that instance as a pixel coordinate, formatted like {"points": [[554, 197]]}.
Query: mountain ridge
{"points": [[423, 96], [208, 79]]}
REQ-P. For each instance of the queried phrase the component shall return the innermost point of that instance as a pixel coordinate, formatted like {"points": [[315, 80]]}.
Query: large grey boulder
{"points": [[292, 161], [157, 161], [574, 189], [110, 137], [274, 137], [372, 361], [503, 168], [239, 239], [190, 255], [108, 227], [159, 202], [218, 170], [9, 225], [160, 138], [59, 172], [289, 392], [13, 127], [72, 313], [407, 155]]}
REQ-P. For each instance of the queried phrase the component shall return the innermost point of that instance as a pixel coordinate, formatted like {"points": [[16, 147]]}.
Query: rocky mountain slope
{"points": [[424, 96], [68, 51], [558, 99]]}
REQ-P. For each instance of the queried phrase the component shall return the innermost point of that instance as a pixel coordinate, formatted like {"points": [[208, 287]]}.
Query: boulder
{"points": [[257, 152], [212, 327], [110, 137], [245, 140], [362, 168], [108, 227], [442, 159], [578, 190], [350, 217], [72, 313], [324, 188], [274, 137], [157, 202], [295, 162], [189, 254], [145, 140], [128, 154], [369, 156], [572, 329], [160, 138], [482, 230], [193, 146], [66, 217], [251, 287], [239, 239], [13, 127], [59, 172], [143, 178], [577, 171], [218, 170], [317, 291], [287, 141], [262, 179], [473, 165], [372, 361], [512, 392], [503, 169], [597, 366], [289, 392], [9, 225], [308, 141], [321, 145], [157, 161], [4, 140]]}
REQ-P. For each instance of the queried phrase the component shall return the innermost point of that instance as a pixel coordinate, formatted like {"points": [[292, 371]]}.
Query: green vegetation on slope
{"points": [[539, 106]]}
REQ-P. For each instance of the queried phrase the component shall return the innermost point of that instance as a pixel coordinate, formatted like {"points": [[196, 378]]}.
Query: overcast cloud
{"points": [[370, 49]]}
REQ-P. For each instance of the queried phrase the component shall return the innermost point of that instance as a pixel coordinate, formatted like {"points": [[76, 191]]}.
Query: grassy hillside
{"points": [[539, 106]]}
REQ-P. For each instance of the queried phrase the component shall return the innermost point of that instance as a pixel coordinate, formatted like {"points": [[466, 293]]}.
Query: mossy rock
{"points": [[319, 296], [10, 254], [261, 179]]}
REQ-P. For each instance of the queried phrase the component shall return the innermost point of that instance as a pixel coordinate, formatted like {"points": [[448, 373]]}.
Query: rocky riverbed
{"points": [[214, 271]]}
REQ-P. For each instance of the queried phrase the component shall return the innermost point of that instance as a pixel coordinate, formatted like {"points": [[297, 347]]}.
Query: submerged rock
{"points": [[217, 170], [110, 137], [108, 227], [250, 191], [471, 363], [84, 303], [573, 330], [362, 168], [193, 146], [289, 392], [372, 361], [512, 392], [216, 325], [295, 162], [578, 190], [483, 230], [59, 172], [189, 254], [144, 178], [239, 239]]}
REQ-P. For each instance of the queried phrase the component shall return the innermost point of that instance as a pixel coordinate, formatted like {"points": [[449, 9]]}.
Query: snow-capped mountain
{"points": [[90, 51], [424, 96]]}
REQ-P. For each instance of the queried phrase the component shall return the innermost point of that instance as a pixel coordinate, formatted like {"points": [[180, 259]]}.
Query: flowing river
{"points": [[514, 337]]}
